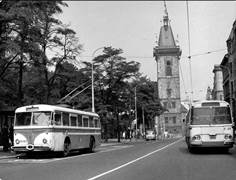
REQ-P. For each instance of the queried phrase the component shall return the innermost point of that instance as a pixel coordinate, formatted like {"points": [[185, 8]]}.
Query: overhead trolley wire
{"points": [[185, 56]]}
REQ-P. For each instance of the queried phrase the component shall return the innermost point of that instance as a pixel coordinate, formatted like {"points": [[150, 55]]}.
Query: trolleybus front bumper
{"points": [[30, 148], [228, 144]]}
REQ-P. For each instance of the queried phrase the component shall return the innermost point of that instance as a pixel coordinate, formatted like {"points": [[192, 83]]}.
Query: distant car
{"points": [[150, 135]]}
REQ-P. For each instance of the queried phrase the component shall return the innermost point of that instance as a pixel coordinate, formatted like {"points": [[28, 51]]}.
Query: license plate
{"points": [[212, 136]]}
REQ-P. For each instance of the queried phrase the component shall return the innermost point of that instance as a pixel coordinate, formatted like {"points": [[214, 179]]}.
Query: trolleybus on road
{"points": [[54, 128], [209, 124]]}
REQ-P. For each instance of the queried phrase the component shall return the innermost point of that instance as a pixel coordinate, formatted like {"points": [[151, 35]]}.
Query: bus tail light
{"points": [[196, 137], [228, 136]]}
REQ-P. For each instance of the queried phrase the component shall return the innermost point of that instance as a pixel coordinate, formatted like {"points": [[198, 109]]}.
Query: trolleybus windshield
{"points": [[38, 119], [211, 115]]}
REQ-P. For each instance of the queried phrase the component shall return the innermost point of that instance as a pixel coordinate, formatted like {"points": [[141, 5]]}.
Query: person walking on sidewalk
{"points": [[11, 136], [5, 138]]}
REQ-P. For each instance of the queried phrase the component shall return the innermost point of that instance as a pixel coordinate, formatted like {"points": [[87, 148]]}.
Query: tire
{"points": [[91, 144], [66, 150]]}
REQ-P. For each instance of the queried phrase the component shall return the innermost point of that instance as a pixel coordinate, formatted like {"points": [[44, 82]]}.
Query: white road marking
{"points": [[133, 161]]}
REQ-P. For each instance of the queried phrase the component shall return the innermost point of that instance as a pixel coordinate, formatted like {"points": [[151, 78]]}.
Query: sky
{"points": [[134, 27]]}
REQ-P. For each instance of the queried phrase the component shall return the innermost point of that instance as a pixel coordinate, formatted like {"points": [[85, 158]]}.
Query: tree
{"points": [[48, 39], [29, 33], [112, 73], [18, 19], [68, 49], [147, 101]]}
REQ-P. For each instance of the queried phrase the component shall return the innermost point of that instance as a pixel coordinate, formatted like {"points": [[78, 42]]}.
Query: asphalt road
{"points": [[152, 160]]}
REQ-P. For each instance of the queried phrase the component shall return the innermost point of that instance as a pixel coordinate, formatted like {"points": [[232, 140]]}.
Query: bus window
{"points": [[23, 119], [86, 121], [221, 115], [80, 122], [201, 116], [65, 119], [91, 121], [96, 122], [213, 115], [73, 120], [57, 119], [41, 118]]}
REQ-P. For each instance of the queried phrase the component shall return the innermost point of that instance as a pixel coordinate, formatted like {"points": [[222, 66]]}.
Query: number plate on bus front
{"points": [[212, 136]]}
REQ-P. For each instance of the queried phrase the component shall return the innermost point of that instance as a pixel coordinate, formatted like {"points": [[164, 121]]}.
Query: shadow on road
{"points": [[209, 151], [51, 155]]}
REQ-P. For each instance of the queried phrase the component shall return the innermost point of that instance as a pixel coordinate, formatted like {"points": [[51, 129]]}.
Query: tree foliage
{"points": [[38, 54]]}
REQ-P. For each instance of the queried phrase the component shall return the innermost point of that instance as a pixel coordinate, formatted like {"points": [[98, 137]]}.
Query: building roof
{"points": [[166, 42], [166, 38]]}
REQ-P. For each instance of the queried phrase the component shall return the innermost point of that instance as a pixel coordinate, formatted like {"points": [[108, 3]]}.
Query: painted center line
{"points": [[133, 161]]}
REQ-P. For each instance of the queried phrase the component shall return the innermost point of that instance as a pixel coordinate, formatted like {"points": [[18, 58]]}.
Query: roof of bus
{"points": [[199, 103], [46, 107]]}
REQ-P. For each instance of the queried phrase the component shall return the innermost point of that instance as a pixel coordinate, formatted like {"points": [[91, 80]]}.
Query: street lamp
{"points": [[93, 109]]}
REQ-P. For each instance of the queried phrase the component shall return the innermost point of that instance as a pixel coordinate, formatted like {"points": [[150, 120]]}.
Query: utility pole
{"points": [[136, 116], [143, 120], [93, 108]]}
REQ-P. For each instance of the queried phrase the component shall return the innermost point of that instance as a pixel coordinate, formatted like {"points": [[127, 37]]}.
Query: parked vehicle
{"points": [[150, 135]]}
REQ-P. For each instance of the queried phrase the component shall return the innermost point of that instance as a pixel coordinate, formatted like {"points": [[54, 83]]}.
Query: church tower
{"points": [[167, 55]]}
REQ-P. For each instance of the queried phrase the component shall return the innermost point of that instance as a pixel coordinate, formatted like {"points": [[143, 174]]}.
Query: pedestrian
{"points": [[11, 135], [5, 138]]}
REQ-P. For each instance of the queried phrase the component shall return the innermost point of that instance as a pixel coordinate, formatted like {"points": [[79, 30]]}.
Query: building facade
{"points": [[228, 65], [167, 55], [217, 91]]}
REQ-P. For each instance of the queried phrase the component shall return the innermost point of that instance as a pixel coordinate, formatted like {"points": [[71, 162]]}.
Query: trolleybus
{"points": [[54, 128], [209, 124]]}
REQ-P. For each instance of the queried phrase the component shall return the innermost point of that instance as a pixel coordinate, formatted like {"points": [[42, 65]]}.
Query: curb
{"points": [[8, 156]]}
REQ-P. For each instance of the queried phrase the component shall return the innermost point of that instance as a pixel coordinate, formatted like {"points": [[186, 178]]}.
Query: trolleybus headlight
{"points": [[17, 141], [45, 141], [228, 136], [196, 137]]}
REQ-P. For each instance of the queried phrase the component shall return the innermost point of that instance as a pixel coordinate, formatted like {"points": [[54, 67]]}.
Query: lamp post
{"points": [[93, 109]]}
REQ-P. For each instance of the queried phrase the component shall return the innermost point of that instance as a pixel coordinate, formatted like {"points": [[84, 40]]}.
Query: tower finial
{"points": [[165, 17], [165, 8]]}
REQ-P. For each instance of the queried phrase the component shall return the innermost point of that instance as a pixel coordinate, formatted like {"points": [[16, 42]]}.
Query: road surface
{"points": [[148, 160]]}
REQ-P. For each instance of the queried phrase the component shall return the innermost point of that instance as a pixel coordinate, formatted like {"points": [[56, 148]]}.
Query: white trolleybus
{"points": [[209, 124], [54, 128]]}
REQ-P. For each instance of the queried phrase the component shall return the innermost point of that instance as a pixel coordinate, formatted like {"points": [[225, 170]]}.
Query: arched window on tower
{"points": [[168, 68]]}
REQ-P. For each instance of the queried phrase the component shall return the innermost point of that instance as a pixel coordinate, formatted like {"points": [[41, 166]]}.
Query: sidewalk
{"points": [[8, 154]]}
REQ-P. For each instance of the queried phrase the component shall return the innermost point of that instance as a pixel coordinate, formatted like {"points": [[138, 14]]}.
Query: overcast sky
{"points": [[134, 25]]}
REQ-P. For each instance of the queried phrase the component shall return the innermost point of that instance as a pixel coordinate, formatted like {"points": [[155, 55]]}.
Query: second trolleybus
{"points": [[54, 128]]}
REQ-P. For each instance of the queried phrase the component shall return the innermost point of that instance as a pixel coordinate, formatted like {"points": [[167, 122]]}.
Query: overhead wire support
{"points": [[189, 56]]}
